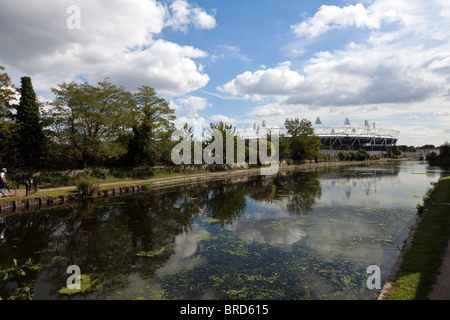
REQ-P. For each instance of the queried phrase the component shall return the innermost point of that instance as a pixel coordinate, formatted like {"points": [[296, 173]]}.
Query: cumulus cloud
{"points": [[391, 66], [274, 81], [117, 39], [184, 14], [192, 105], [225, 119], [331, 17], [358, 77]]}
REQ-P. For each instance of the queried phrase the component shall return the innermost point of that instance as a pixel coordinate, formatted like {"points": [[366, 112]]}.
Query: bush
{"points": [[86, 186]]}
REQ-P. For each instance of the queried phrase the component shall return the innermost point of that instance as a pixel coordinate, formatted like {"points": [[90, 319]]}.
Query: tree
{"points": [[153, 127], [92, 120], [393, 152], [285, 146], [228, 135], [7, 124], [30, 132], [443, 159], [304, 143]]}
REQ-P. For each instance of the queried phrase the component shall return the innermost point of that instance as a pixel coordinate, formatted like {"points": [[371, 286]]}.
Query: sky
{"points": [[245, 61]]}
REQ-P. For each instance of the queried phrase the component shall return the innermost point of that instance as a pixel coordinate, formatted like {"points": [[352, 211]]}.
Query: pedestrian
{"points": [[3, 182], [3, 226]]}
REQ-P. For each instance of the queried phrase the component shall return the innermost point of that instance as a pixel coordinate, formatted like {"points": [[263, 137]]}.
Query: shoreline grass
{"points": [[421, 262]]}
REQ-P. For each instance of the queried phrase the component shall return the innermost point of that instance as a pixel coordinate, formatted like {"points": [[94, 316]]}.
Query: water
{"points": [[294, 236]]}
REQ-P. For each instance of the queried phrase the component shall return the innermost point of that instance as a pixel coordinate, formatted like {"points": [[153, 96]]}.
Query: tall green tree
{"points": [[154, 123], [304, 144], [230, 142], [30, 132], [92, 120], [7, 122]]}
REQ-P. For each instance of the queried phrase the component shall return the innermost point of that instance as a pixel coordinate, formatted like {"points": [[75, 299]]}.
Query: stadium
{"points": [[367, 137]]}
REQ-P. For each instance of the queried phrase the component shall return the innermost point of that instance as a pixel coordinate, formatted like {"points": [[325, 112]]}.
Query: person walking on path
{"points": [[3, 182]]}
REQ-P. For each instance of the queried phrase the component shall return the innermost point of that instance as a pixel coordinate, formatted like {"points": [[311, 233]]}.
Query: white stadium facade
{"points": [[367, 136]]}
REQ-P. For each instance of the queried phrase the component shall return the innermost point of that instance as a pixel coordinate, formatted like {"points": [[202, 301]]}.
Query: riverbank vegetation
{"points": [[421, 262], [443, 159]]}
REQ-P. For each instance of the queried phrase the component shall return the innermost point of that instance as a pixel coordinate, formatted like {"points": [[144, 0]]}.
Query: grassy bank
{"points": [[420, 265]]}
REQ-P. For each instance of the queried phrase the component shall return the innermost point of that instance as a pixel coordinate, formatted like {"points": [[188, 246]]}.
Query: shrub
{"points": [[86, 186]]}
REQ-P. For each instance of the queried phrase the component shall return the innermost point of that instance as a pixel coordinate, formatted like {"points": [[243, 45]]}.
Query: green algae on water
{"points": [[150, 254], [86, 285]]}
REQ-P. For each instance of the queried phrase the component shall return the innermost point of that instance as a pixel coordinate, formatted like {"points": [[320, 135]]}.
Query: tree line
{"points": [[441, 159], [85, 125], [105, 125]]}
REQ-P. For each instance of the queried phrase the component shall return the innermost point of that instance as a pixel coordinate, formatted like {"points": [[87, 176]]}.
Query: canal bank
{"points": [[48, 197], [423, 267]]}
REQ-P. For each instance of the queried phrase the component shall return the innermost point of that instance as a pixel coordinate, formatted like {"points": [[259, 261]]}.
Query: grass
{"points": [[421, 262]]}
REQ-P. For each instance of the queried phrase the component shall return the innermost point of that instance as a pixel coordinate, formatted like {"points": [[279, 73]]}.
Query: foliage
{"points": [[86, 186], [393, 152], [361, 155], [221, 129], [30, 132], [303, 142], [91, 120], [23, 292], [152, 129], [8, 126], [443, 159]]}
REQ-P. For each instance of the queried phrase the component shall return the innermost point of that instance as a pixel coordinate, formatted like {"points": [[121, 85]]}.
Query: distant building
{"points": [[365, 137]]}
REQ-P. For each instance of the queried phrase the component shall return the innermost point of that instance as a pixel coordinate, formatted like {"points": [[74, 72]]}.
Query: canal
{"points": [[297, 235]]}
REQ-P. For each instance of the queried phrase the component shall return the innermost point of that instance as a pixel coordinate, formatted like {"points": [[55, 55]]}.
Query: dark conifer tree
{"points": [[30, 133]]}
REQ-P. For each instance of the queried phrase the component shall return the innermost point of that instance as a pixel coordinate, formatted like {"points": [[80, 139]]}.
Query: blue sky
{"points": [[247, 61]]}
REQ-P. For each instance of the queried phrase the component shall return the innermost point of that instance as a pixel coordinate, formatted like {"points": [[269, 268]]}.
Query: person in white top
{"points": [[3, 182]]}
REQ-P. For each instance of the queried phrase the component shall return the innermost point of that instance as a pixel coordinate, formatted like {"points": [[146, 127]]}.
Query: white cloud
{"points": [[192, 105], [184, 14], [219, 117], [194, 122], [356, 76], [331, 17], [274, 81], [116, 40], [398, 65]]}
